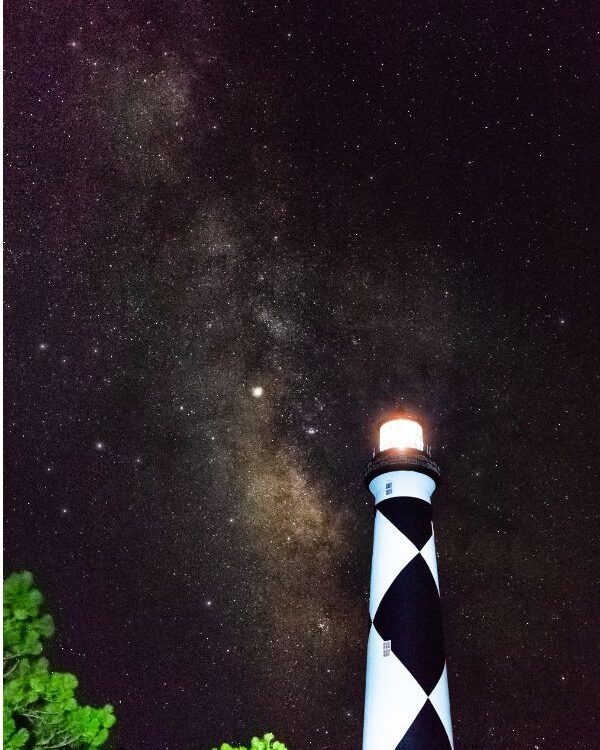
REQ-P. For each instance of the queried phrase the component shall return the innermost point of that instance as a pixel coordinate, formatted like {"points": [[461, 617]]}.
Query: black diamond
{"points": [[409, 616], [410, 515], [426, 732]]}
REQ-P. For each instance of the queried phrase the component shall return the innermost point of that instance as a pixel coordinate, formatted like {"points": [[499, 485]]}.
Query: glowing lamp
{"points": [[400, 433]]}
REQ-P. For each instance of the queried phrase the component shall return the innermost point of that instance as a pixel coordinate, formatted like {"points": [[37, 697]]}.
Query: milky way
{"points": [[236, 237]]}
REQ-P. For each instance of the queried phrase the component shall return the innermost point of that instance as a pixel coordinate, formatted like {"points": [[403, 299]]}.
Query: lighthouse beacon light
{"points": [[401, 434]]}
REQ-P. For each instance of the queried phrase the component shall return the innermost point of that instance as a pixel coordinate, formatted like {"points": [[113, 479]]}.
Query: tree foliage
{"points": [[268, 742], [41, 711]]}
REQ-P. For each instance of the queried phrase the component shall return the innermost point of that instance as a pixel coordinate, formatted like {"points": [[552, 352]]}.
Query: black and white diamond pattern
{"points": [[406, 705]]}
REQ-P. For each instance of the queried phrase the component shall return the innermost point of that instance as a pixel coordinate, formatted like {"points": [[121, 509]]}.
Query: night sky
{"points": [[237, 235]]}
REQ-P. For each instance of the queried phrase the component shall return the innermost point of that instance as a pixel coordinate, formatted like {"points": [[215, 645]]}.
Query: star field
{"points": [[237, 235]]}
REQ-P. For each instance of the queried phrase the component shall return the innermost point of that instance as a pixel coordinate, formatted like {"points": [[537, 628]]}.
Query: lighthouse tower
{"points": [[406, 701]]}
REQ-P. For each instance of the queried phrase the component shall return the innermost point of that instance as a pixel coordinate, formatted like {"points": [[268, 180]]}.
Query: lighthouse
{"points": [[406, 700]]}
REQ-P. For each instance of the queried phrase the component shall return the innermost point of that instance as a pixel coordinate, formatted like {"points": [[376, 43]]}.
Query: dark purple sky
{"points": [[355, 207]]}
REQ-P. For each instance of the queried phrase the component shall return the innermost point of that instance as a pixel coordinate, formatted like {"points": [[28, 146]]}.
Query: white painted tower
{"points": [[406, 702]]}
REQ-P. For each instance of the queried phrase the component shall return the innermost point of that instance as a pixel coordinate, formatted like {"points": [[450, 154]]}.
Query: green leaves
{"points": [[22, 625], [268, 742], [13, 738], [40, 707]]}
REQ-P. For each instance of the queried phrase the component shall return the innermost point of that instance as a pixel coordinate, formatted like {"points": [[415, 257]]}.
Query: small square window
{"points": [[388, 488], [387, 648]]}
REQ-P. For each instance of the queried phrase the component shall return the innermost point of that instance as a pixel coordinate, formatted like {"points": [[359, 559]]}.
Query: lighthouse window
{"points": [[387, 648], [388, 488]]}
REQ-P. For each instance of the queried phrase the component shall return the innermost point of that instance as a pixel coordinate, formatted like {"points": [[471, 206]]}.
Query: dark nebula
{"points": [[238, 234]]}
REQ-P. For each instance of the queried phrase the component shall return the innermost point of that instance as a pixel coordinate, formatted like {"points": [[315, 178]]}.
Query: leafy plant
{"points": [[268, 742], [41, 711]]}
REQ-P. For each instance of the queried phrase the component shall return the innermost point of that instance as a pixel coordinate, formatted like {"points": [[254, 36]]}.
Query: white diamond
{"points": [[428, 554]]}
